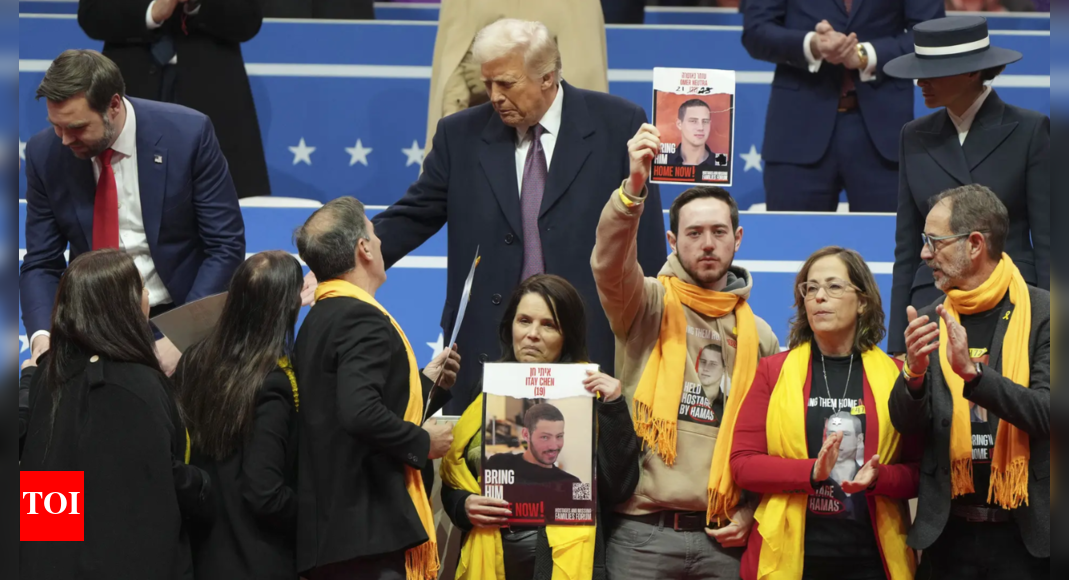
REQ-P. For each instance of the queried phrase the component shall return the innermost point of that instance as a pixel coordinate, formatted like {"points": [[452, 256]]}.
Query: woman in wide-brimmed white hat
{"points": [[974, 138]]}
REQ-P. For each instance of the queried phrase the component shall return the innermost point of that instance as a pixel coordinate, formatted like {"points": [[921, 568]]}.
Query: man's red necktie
{"points": [[106, 207]]}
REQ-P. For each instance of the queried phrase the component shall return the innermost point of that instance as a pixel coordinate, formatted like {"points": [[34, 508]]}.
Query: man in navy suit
{"points": [[834, 118], [523, 179], [147, 178]]}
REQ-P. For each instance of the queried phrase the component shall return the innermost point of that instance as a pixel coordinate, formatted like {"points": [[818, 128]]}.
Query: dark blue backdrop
{"points": [[332, 84]]}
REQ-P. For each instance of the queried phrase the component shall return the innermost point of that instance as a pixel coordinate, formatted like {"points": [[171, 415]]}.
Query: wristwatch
{"points": [[863, 54]]}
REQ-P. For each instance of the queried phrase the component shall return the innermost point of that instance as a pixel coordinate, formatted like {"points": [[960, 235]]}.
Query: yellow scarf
{"points": [[1009, 466], [287, 368], [782, 516], [661, 388], [482, 556], [421, 562]]}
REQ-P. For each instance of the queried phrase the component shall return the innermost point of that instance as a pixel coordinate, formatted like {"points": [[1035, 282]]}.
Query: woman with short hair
{"points": [[815, 438], [974, 138]]}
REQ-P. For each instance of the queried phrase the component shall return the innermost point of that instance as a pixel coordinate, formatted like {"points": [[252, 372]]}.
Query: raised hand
{"points": [[829, 456], [922, 339], [865, 479], [642, 149], [958, 348]]}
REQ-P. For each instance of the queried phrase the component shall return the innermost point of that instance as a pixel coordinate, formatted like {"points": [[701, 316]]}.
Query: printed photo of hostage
{"points": [[694, 111], [539, 457]]}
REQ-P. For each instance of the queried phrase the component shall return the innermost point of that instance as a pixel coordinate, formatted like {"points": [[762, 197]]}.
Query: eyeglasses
{"points": [[931, 240], [834, 288]]}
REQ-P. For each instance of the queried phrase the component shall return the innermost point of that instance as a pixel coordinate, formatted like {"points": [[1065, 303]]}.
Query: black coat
{"points": [[1027, 409], [355, 446], [619, 455], [1007, 150], [255, 491], [469, 180], [118, 423], [210, 77]]}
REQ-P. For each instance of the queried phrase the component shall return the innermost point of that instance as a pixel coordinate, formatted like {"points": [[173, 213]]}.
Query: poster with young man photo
{"points": [[539, 443], [694, 111]]}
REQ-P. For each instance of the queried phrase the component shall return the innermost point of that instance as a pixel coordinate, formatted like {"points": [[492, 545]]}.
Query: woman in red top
{"points": [[815, 439]]}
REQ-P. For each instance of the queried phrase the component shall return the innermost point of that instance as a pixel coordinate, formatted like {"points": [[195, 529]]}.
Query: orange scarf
{"points": [[661, 388], [1009, 466], [421, 562]]}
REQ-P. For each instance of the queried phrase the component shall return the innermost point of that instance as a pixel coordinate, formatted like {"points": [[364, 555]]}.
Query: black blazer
{"points": [[1027, 409], [469, 180], [619, 455], [1007, 150], [354, 446], [119, 424], [210, 75], [255, 491]]}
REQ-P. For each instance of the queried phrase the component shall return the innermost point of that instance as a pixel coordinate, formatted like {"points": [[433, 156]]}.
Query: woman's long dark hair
{"points": [[97, 312], [569, 314], [221, 377]]}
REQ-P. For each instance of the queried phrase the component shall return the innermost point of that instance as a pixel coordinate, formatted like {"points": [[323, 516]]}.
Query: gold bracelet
{"points": [[863, 56]]}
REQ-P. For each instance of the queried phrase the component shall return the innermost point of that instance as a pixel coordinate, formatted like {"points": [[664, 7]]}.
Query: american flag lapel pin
{"points": [[158, 159]]}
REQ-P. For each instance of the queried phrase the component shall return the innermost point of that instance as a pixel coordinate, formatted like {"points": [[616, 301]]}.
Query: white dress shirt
{"points": [[964, 123], [132, 237], [867, 76], [551, 124], [153, 25]]}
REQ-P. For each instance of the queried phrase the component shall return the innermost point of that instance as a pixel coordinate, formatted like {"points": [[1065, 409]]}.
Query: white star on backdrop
{"points": [[752, 159], [358, 154], [437, 347], [24, 343], [22, 150], [302, 153], [415, 155]]}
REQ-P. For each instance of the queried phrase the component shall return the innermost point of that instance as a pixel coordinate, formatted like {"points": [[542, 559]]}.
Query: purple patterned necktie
{"points": [[535, 170]]}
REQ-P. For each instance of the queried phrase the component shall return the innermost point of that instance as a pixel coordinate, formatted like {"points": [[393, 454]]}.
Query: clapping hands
{"points": [[835, 47]]}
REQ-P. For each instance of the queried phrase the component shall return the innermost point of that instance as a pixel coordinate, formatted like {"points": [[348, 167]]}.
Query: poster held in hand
{"points": [[539, 443], [187, 325], [694, 110]]}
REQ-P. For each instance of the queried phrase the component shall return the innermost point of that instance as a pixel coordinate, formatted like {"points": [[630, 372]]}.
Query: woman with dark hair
{"points": [[240, 396], [816, 423], [545, 322], [973, 138], [101, 405]]}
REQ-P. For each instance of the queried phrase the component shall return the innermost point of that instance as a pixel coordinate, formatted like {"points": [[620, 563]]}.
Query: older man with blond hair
{"points": [[518, 178]]}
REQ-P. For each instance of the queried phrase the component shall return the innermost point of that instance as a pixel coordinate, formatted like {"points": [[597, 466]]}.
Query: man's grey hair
{"points": [[327, 241], [541, 54], [975, 208]]}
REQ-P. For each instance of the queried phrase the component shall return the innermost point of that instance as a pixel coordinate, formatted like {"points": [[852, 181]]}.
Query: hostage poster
{"points": [[694, 110], [539, 443]]}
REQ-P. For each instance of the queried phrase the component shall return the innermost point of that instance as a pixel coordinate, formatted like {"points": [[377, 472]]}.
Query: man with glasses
{"points": [[977, 385]]}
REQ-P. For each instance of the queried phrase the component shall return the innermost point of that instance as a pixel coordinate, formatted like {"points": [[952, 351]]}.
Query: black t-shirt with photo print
{"points": [[981, 330], [838, 526]]}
